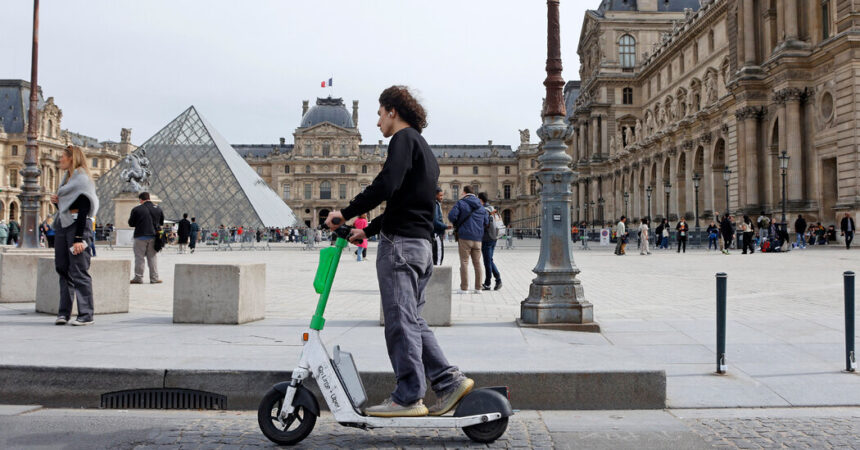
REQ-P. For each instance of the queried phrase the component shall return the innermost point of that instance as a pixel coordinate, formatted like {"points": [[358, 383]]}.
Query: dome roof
{"points": [[330, 110]]}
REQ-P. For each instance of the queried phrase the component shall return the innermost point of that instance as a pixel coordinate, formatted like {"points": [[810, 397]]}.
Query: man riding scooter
{"points": [[404, 264]]}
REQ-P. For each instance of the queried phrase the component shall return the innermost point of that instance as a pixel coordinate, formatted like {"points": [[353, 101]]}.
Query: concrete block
{"points": [[18, 269], [437, 306], [219, 293], [110, 286]]}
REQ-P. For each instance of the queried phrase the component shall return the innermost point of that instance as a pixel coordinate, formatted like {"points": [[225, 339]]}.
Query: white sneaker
{"points": [[462, 292], [476, 291]]}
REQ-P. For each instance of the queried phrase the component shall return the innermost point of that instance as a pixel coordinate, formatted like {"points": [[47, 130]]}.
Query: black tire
{"points": [[299, 424], [486, 433]]}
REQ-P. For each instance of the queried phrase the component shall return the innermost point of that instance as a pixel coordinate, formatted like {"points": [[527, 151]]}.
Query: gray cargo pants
{"points": [[145, 249], [74, 272], [403, 269]]}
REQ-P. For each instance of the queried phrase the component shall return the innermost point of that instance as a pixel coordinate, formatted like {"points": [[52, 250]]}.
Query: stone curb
{"points": [[72, 387]]}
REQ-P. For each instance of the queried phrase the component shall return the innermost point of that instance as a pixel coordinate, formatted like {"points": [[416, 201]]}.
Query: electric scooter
{"points": [[288, 412]]}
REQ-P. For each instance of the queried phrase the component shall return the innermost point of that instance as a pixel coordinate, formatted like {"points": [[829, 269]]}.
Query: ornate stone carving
{"points": [[137, 172], [672, 151], [638, 132], [725, 129], [750, 112], [524, 136], [688, 145], [705, 138], [711, 86], [790, 95]]}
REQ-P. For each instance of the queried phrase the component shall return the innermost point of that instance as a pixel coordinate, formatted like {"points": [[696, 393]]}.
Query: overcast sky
{"points": [[478, 65]]}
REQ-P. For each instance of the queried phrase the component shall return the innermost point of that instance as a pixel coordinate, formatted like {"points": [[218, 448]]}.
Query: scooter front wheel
{"points": [[296, 426], [486, 433]]}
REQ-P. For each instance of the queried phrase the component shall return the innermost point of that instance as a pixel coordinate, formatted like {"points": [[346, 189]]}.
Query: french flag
{"points": [[326, 84]]}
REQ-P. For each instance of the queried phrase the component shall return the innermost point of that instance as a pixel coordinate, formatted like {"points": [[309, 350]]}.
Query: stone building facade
{"points": [[676, 93], [327, 165], [14, 104]]}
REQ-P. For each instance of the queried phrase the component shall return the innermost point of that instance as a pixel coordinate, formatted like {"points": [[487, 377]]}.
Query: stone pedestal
{"points": [[122, 206], [18, 270], [110, 286], [219, 293], [437, 306]]}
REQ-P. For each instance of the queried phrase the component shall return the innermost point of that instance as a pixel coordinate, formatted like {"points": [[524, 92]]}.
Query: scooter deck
{"points": [[421, 422]]}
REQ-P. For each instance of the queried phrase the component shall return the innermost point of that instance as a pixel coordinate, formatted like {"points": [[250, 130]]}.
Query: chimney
{"points": [[283, 141], [490, 142], [304, 107], [380, 143], [355, 113]]}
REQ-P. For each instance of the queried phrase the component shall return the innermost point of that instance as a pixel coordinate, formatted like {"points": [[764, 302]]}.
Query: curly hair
{"points": [[399, 98]]}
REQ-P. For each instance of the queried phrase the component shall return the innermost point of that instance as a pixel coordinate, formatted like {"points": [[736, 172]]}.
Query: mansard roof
{"points": [[633, 5]]}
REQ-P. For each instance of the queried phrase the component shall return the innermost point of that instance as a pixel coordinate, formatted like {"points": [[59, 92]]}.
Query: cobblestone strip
{"points": [[528, 431], [754, 433]]}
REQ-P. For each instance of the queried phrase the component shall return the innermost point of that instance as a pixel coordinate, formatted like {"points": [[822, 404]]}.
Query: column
{"points": [[749, 34], [790, 19], [595, 144], [752, 163], [604, 136], [794, 178], [690, 195], [707, 188], [582, 199], [673, 178], [634, 207], [741, 37], [646, 181], [780, 22]]}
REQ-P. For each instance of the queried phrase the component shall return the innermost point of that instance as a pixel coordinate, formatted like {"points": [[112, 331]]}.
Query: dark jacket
{"points": [[726, 228], [439, 226], [14, 229], [844, 224], [800, 225], [471, 228], [682, 226], [407, 183], [145, 219], [184, 230]]}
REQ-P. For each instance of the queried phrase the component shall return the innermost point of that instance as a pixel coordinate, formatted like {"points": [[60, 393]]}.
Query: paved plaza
{"points": [[785, 328]]}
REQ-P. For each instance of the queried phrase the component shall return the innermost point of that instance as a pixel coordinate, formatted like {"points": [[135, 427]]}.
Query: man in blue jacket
{"points": [[469, 218], [439, 228]]}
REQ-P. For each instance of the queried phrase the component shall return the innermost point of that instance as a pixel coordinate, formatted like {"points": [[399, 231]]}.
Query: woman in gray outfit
{"points": [[77, 205]]}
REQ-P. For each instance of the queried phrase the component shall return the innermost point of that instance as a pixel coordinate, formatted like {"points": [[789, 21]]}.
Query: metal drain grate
{"points": [[163, 399]]}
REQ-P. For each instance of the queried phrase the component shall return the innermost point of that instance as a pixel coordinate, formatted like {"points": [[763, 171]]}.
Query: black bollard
{"points": [[850, 359], [721, 322]]}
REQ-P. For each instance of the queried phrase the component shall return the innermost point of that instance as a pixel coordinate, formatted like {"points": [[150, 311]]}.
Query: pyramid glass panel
{"points": [[195, 171]]}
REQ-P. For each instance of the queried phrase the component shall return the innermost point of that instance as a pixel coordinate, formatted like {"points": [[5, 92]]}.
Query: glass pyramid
{"points": [[196, 171]]}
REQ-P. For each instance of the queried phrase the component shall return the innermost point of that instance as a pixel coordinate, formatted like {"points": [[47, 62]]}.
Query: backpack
{"points": [[765, 247], [495, 228]]}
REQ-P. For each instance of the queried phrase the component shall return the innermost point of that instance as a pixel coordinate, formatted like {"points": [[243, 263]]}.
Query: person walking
{"points": [[361, 251], [683, 229], [439, 229], [4, 232], [488, 245], [847, 227], [404, 264], [77, 204], [183, 232], [713, 235], [800, 231], [14, 229], [644, 237], [620, 235], [727, 232], [192, 238], [748, 231], [146, 219], [763, 223], [469, 218]]}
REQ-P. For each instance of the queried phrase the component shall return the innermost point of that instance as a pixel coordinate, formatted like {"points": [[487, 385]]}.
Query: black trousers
{"points": [[748, 243], [438, 249], [682, 242], [849, 236], [74, 273]]}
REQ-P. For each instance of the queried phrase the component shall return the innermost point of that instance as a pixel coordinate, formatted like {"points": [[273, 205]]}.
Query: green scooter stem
{"points": [[317, 321]]}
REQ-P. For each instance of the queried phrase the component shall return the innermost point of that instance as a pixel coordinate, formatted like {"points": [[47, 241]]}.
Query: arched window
{"points": [[627, 51], [695, 52], [342, 168], [363, 169], [325, 190], [50, 128], [711, 41], [627, 96]]}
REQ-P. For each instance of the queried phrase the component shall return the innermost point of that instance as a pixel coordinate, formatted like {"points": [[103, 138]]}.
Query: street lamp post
{"points": [[667, 186], [727, 175], [556, 298], [593, 214], [30, 189], [783, 169], [626, 203], [696, 180], [648, 190]]}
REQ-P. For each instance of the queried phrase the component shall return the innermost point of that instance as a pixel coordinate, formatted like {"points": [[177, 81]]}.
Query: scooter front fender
{"points": [[483, 401], [303, 397]]}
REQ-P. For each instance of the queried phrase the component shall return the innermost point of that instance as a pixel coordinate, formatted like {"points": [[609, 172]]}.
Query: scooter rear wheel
{"points": [[297, 425], [486, 433]]}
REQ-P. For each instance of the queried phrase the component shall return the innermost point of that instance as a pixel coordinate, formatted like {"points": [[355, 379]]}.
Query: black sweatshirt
{"points": [[407, 183]]}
